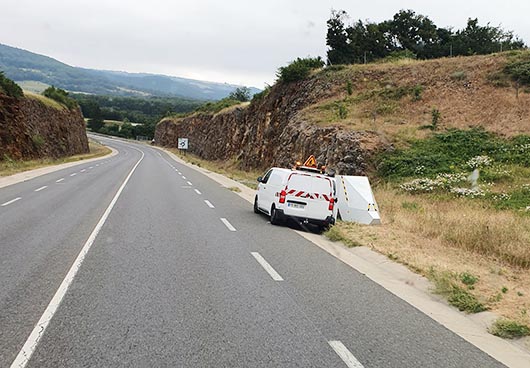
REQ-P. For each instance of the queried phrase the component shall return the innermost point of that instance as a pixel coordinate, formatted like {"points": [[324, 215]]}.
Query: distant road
{"points": [[182, 273]]}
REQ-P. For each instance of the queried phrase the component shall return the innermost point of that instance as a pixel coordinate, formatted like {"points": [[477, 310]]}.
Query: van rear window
{"points": [[309, 184]]}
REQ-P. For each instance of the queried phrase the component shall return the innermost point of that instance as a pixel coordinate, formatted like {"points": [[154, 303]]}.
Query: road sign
{"points": [[183, 143], [311, 161]]}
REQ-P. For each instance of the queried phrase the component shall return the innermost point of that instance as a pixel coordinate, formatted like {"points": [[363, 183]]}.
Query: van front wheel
{"points": [[275, 219], [256, 209]]}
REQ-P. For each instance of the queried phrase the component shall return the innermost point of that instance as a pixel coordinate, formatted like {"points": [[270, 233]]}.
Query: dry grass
{"points": [[460, 88], [14, 167], [225, 167], [456, 236], [44, 100]]}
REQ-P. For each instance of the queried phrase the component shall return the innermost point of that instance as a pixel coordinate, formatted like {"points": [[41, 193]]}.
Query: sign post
{"points": [[183, 144]]}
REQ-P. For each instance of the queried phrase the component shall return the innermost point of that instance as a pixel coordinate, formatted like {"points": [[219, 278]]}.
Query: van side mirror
{"points": [[260, 179]]}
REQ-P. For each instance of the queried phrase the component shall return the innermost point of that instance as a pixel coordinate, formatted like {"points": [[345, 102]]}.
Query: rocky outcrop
{"points": [[272, 132], [29, 129]]}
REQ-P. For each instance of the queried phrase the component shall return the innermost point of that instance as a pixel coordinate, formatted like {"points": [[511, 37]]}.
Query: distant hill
{"points": [[34, 71]]}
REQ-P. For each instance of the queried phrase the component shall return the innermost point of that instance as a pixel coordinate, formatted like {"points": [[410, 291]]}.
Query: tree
{"points": [[339, 51], [241, 94], [408, 33], [95, 124], [9, 87]]}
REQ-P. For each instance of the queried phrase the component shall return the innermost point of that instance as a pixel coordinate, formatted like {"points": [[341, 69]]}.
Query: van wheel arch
{"points": [[275, 220]]}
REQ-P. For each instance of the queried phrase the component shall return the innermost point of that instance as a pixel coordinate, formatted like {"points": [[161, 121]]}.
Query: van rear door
{"points": [[308, 196]]}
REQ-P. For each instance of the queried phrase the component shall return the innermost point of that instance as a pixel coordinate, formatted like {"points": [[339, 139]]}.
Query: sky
{"points": [[233, 41]]}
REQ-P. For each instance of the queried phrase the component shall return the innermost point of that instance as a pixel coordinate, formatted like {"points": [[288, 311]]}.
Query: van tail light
{"points": [[283, 193], [331, 204]]}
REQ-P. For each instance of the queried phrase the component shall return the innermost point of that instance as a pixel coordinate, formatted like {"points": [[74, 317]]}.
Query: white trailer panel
{"points": [[356, 201]]}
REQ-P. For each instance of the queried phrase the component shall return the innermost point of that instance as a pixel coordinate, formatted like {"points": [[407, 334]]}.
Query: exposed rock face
{"points": [[271, 132], [29, 130]]}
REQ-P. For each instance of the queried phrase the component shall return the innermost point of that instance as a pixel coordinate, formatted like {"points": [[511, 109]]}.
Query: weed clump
{"points": [[509, 329], [446, 285]]}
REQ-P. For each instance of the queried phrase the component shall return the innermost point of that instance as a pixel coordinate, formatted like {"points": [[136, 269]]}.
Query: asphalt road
{"points": [[184, 274]]}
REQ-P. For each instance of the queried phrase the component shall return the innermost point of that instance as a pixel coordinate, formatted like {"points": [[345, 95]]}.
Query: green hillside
{"points": [[36, 70]]}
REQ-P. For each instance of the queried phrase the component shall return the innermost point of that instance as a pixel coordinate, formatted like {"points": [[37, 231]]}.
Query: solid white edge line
{"points": [[197, 191], [31, 343], [11, 201], [59, 180], [189, 183], [209, 204], [271, 271], [228, 224], [346, 356], [41, 188]]}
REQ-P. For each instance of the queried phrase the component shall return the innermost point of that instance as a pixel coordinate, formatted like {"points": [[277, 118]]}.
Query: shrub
{"points": [[459, 75], [519, 71], [436, 115], [416, 92], [215, 107], [260, 95], [61, 96], [38, 140], [342, 112], [400, 55], [349, 88], [298, 69], [9, 87]]}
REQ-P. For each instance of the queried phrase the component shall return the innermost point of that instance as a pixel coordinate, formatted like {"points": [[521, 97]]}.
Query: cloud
{"points": [[232, 41]]}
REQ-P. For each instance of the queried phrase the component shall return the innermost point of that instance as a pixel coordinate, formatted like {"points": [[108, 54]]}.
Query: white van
{"points": [[303, 195]]}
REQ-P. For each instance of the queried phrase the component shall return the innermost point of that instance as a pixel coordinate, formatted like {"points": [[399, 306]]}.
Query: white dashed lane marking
{"points": [[346, 356], [198, 192], [74, 174], [208, 203], [228, 224], [41, 188], [271, 271], [11, 201], [60, 180]]}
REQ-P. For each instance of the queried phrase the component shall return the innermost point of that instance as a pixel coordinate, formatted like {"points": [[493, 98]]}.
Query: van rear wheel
{"points": [[275, 220]]}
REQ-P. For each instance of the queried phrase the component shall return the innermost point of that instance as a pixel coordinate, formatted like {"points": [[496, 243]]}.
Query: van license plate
{"points": [[295, 205]]}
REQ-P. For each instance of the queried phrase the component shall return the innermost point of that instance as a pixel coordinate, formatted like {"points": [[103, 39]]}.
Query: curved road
{"points": [[182, 273]]}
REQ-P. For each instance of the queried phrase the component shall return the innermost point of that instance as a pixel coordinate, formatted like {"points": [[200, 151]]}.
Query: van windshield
{"points": [[309, 184]]}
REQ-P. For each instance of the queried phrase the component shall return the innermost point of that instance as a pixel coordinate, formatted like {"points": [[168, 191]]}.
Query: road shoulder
{"points": [[32, 174]]}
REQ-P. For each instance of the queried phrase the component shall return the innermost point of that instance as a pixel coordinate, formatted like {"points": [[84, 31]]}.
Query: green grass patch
{"points": [[509, 329], [448, 152], [447, 285]]}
